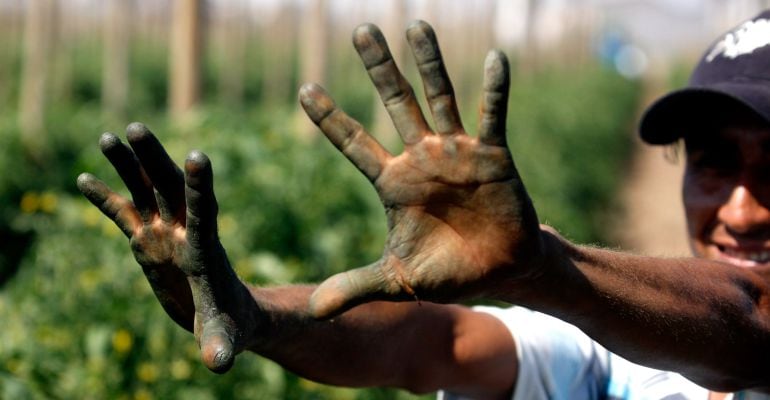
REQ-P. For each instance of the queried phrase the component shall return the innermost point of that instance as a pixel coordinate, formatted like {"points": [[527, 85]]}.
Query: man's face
{"points": [[726, 192]]}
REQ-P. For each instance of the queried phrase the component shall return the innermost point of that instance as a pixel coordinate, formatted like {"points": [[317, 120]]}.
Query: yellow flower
{"points": [[29, 203], [122, 341], [48, 202], [13, 366], [91, 216], [142, 394], [227, 224], [110, 229], [309, 385], [180, 369], [244, 270], [89, 280], [192, 350], [147, 372]]}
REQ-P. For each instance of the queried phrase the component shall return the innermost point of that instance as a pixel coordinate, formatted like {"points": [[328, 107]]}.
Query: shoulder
{"points": [[556, 360], [533, 330]]}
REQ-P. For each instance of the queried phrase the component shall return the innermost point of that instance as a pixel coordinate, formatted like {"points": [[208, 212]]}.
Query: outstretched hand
{"points": [[172, 230], [460, 221]]}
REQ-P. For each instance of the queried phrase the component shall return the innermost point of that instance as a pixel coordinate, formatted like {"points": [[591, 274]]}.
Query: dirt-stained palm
{"points": [[460, 221]]}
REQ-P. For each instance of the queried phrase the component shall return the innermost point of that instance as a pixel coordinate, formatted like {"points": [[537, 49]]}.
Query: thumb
{"points": [[216, 346], [348, 289]]}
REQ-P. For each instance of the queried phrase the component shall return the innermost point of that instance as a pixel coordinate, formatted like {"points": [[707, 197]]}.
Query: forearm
{"points": [[702, 318], [420, 347]]}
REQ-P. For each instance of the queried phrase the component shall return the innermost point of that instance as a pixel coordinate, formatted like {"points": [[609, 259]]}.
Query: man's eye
{"points": [[715, 162]]}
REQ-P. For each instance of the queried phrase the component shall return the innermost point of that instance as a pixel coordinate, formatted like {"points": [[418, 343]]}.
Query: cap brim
{"points": [[672, 116]]}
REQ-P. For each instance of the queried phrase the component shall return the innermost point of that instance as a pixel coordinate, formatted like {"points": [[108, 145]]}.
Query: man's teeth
{"points": [[761, 256]]}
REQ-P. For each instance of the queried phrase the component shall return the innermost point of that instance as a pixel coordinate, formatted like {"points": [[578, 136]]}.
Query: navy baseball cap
{"points": [[733, 73]]}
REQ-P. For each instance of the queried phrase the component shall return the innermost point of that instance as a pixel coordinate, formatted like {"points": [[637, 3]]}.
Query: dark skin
{"points": [[457, 210], [460, 226], [352, 350], [171, 225]]}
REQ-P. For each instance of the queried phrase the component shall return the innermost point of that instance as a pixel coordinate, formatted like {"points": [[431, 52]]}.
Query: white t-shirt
{"points": [[558, 361]]}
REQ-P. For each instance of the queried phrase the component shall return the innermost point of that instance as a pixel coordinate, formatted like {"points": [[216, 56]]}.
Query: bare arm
{"points": [[461, 226], [421, 348], [171, 226], [705, 319]]}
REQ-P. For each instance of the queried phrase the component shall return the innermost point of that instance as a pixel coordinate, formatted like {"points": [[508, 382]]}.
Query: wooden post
{"points": [[232, 36], [279, 36], [11, 30], [313, 52], [39, 25], [314, 38], [115, 57], [185, 62]]}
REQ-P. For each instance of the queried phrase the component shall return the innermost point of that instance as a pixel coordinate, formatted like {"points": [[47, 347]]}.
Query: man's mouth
{"points": [[744, 257]]}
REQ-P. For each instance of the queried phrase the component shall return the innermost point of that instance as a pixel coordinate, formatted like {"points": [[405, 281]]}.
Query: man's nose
{"points": [[743, 213]]}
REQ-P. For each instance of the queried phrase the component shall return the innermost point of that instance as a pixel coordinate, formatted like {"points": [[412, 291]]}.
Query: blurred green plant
{"points": [[79, 319], [571, 138]]}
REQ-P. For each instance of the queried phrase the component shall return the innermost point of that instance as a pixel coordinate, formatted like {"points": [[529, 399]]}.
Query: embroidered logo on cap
{"points": [[748, 37]]}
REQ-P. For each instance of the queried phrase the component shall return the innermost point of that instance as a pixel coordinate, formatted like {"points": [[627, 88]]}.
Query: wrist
{"points": [[247, 310], [542, 272], [222, 296], [279, 314], [253, 319], [562, 287]]}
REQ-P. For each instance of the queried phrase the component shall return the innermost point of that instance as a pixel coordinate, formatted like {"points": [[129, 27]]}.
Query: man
{"points": [[460, 226]]}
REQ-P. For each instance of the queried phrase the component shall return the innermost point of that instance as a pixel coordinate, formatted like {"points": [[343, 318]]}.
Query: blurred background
{"points": [[78, 319]]}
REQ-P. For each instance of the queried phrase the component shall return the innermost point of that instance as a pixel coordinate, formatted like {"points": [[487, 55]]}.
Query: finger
{"points": [[396, 93], [438, 87], [125, 162], [114, 206], [216, 344], [344, 132], [494, 101], [166, 177], [348, 289], [201, 202]]}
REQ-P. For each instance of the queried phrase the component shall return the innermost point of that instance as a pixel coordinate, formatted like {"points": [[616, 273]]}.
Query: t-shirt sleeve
{"points": [[556, 359]]}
